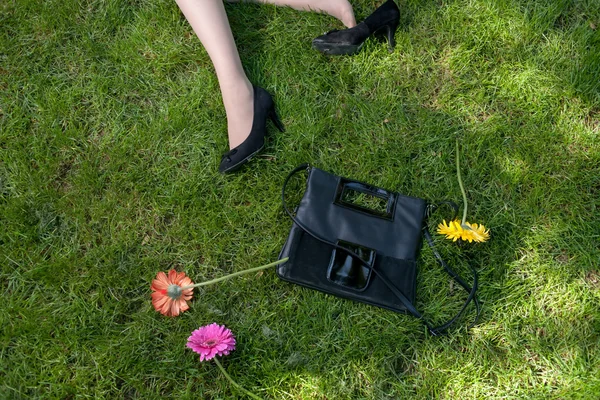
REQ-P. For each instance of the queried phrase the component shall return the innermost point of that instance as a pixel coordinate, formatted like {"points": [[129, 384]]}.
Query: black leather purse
{"points": [[361, 242]]}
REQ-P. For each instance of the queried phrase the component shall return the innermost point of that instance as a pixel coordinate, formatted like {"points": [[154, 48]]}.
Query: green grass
{"points": [[111, 133]]}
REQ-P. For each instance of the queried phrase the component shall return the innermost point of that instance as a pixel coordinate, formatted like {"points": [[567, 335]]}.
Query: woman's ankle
{"points": [[239, 107], [340, 9], [347, 15]]}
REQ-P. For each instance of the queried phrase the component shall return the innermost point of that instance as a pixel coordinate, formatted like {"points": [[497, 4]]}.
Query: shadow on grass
{"points": [[84, 223]]}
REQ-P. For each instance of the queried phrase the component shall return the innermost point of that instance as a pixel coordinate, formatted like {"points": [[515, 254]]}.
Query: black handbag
{"points": [[361, 242]]}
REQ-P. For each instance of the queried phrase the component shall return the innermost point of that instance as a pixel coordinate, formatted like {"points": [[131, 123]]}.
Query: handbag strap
{"points": [[471, 290], [435, 331]]}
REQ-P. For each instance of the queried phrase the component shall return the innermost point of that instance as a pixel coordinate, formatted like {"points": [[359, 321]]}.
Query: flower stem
{"points": [[460, 183], [247, 271], [234, 383]]}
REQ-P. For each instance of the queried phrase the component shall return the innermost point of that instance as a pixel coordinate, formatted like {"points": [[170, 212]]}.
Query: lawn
{"points": [[111, 131]]}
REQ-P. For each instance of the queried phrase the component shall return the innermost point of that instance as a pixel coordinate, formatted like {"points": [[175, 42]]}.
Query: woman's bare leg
{"points": [[340, 9], [209, 21]]}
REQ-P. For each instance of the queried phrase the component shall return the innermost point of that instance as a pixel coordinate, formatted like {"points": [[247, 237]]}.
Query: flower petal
{"points": [[172, 276], [166, 308], [159, 302], [186, 281], [175, 308], [161, 282]]}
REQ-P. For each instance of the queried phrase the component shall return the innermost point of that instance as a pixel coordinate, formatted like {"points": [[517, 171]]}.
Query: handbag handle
{"points": [[435, 331]]}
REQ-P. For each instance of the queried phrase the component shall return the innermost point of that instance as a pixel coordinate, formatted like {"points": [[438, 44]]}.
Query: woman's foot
{"points": [[340, 9], [349, 41], [263, 109]]}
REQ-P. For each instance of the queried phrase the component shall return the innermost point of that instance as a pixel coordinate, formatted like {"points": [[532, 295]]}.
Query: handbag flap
{"points": [[396, 234]]}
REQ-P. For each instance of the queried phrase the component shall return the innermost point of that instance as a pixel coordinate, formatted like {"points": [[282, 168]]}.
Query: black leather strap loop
{"points": [[471, 290]]}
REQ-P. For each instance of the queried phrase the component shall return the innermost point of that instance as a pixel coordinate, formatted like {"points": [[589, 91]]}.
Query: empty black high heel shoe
{"points": [[349, 41], [263, 108]]}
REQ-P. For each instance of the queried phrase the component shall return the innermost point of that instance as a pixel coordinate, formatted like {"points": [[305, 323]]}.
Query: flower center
{"points": [[174, 291], [210, 342]]}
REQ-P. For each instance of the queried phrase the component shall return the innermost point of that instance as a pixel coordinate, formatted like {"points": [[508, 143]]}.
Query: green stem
{"points": [[247, 271], [460, 182], [234, 383]]}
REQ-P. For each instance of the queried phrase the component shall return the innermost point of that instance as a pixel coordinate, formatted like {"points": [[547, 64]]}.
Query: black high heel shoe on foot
{"points": [[263, 108], [349, 41]]}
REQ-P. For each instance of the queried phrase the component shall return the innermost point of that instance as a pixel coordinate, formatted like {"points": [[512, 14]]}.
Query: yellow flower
{"points": [[471, 232]]}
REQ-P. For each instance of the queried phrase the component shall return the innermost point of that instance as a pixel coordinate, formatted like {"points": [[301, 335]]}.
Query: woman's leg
{"points": [[340, 9], [209, 21]]}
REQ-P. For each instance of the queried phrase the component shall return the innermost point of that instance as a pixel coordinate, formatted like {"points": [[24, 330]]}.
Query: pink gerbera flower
{"points": [[211, 340]]}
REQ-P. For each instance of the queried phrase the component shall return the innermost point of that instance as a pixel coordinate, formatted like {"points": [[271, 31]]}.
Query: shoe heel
{"points": [[392, 27], [276, 121]]}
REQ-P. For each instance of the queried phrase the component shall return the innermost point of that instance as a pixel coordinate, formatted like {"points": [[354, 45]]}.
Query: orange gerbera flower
{"points": [[168, 297]]}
